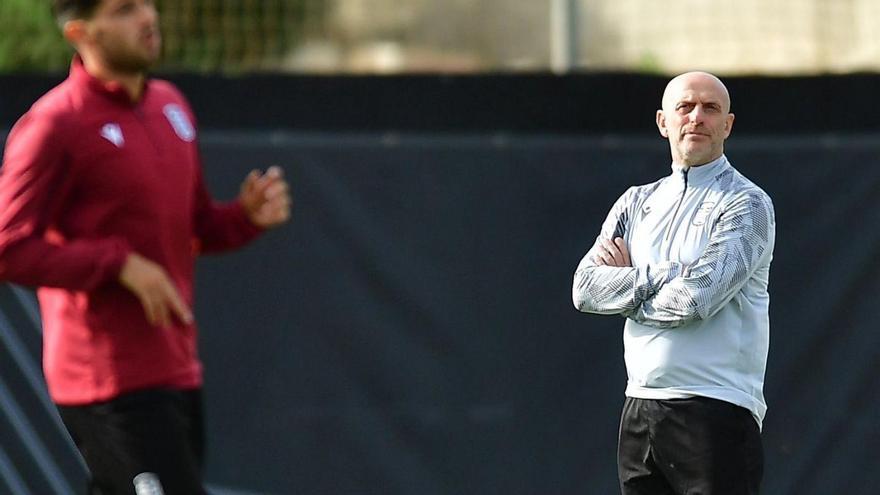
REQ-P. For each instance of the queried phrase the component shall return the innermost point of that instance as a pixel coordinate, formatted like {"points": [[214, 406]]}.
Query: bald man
{"points": [[686, 260]]}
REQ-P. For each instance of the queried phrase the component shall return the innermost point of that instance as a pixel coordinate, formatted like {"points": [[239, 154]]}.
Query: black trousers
{"points": [[140, 441], [695, 446]]}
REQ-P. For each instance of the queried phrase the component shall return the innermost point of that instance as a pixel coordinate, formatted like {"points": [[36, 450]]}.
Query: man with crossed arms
{"points": [[686, 260]]}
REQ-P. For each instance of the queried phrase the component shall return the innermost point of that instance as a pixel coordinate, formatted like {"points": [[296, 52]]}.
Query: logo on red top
{"points": [[179, 121], [113, 133]]}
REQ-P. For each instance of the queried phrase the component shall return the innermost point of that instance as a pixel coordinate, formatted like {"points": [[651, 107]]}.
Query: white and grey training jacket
{"points": [[695, 298]]}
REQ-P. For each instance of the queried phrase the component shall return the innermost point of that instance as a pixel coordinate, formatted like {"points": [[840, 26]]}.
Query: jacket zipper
{"points": [[140, 116], [678, 206]]}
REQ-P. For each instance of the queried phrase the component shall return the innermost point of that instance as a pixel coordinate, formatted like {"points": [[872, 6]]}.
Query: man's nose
{"points": [[148, 13], [697, 114]]}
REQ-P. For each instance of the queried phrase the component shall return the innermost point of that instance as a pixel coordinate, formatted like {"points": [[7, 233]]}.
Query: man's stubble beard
{"points": [[130, 62]]}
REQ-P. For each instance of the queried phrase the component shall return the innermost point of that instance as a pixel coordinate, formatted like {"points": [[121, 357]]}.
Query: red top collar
{"points": [[111, 89]]}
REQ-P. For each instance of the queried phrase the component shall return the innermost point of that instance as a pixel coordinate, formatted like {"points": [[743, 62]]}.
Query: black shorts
{"points": [[142, 439], [688, 446]]}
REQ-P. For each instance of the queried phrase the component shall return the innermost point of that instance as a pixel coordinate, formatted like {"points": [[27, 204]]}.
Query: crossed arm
{"points": [[670, 294]]}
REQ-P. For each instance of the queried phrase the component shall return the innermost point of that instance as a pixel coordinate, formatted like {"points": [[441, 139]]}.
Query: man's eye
{"points": [[125, 8]]}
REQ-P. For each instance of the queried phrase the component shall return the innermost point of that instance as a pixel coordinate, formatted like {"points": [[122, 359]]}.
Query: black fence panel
{"points": [[411, 331], [594, 103]]}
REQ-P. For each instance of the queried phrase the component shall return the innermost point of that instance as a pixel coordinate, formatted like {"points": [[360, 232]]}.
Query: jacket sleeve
{"points": [[217, 227], [617, 290], [33, 182], [741, 241], [220, 226]]}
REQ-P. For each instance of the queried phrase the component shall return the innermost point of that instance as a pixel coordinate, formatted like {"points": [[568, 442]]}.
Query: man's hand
{"points": [[612, 253], [266, 198], [154, 288]]}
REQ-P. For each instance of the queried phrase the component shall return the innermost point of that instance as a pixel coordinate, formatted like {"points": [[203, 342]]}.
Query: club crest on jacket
{"points": [[179, 121]]}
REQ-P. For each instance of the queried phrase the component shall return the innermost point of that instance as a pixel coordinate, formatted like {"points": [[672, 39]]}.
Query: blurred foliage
{"points": [[30, 39], [233, 35], [199, 35]]}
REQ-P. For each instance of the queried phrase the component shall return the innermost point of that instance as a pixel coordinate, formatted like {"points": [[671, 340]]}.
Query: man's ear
{"points": [[74, 31], [661, 124], [728, 124]]}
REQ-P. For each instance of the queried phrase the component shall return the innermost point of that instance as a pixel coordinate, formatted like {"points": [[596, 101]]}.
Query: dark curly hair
{"points": [[65, 10]]}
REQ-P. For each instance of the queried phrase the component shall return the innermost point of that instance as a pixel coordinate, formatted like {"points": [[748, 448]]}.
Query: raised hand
{"points": [[266, 197]]}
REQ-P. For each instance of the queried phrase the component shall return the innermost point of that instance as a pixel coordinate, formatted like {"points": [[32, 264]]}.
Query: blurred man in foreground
{"points": [[686, 260], [104, 208]]}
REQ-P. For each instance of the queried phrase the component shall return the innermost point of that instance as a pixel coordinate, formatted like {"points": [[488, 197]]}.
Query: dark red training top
{"points": [[88, 177]]}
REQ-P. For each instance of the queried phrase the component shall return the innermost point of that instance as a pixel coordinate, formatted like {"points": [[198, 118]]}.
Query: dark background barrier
{"points": [[411, 331], [541, 103]]}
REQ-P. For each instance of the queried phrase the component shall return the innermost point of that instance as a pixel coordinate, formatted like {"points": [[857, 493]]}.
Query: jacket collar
{"points": [[703, 173], [109, 89]]}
